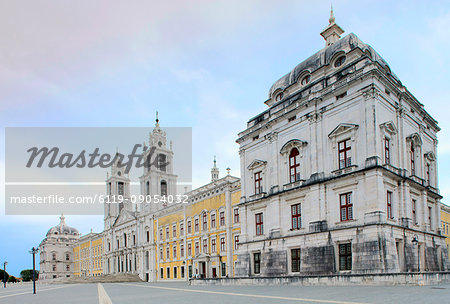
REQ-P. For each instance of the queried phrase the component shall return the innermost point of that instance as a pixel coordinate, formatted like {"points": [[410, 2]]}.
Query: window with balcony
{"points": [[205, 246], [258, 182], [387, 150], [344, 154], [346, 206], [294, 165], [296, 216], [390, 215], [259, 224]]}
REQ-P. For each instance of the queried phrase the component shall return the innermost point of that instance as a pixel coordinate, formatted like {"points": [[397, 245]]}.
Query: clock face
{"points": [[159, 143], [119, 173]]}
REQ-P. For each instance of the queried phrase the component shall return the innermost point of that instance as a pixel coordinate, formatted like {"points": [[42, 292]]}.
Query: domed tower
{"points": [[56, 254]]}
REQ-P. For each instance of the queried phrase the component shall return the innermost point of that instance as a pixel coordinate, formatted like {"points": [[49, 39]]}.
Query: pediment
{"points": [[415, 139], [343, 128], [124, 217], [389, 127], [256, 164], [293, 143]]}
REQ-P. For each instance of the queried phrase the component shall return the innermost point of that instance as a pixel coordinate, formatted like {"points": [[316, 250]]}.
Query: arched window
{"points": [[278, 97], [294, 165], [163, 188], [306, 80]]}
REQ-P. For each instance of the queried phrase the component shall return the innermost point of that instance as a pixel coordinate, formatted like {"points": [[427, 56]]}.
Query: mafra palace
{"points": [[338, 175]]}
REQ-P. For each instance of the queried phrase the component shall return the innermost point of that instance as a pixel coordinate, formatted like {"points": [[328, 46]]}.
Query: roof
{"points": [[323, 58]]}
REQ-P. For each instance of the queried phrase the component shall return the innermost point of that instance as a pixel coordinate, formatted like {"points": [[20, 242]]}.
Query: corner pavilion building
{"points": [[339, 174]]}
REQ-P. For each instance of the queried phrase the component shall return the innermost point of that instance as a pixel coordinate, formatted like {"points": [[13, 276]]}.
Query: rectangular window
{"points": [[213, 245], [389, 205], [295, 260], [345, 256], [236, 242], [213, 221], [205, 222], [236, 215], [294, 165], [345, 154], [181, 229], [160, 234], [346, 206], [148, 236], [222, 244], [182, 250], [168, 272], [174, 231], [168, 252], [296, 216], [167, 233], [197, 249], [259, 224], [414, 217], [257, 262], [189, 249], [430, 218], [413, 159], [196, 225], [120, 191], [161, 256], [205, 246], [427, 174], [189, 227], [174, 252], [258, 182], [222, 218], [387, 151]]}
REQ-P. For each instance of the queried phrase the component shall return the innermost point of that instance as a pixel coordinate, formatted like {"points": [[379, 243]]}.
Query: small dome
{"points": [[62, 229]]}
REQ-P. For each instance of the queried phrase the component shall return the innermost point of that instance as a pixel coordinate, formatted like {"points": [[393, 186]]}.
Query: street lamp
{"points": [[34, 251], [4, 273], [415, 242]]}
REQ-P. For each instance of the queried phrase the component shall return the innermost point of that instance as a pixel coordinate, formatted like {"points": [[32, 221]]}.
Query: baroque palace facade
{"points": [[171, 241], [339, 174]]}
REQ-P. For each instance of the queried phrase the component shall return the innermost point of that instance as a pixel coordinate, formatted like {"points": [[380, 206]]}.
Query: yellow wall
{"points": [[189, 212], [445, 225], [88, 256]]}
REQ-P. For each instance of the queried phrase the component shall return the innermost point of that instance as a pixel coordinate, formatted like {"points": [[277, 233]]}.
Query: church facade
{"points": [[339, 174], [171, 241]]}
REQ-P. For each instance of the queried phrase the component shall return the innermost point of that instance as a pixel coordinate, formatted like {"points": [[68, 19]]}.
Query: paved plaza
{"points": [[135, 293]]}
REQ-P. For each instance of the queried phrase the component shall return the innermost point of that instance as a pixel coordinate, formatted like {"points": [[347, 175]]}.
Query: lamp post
{"points": [[415, 242], [4, 273], [33, 251]]}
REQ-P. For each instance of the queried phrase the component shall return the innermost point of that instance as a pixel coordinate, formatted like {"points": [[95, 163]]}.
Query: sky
{"points": [[201, 64]]}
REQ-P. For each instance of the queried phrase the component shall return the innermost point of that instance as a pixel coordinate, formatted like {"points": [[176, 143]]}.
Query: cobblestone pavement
{"points": [[135, 293]]}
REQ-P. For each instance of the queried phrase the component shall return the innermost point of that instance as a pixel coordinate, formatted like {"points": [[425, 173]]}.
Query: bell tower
{"points": [[214, 171], [117, 191], [158, 179], [332, 32]]}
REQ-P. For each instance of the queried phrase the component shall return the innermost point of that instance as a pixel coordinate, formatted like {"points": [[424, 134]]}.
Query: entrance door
{"points": [[214, 272], [203, 269]]}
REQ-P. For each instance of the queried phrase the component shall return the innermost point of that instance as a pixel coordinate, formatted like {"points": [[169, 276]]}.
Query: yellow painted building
{"points": [[199, 238], [88, 255], [445, 224]]}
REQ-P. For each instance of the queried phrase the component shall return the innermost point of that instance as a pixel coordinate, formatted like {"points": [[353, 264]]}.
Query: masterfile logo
{"points": [[54, 170]]}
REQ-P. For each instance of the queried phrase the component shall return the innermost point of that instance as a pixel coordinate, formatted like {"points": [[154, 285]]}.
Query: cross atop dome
{"points": [[332, 32]]}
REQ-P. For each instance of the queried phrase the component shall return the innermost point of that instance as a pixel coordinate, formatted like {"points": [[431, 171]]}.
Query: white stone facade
{"points": [[355, 152], [56, 252]]}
